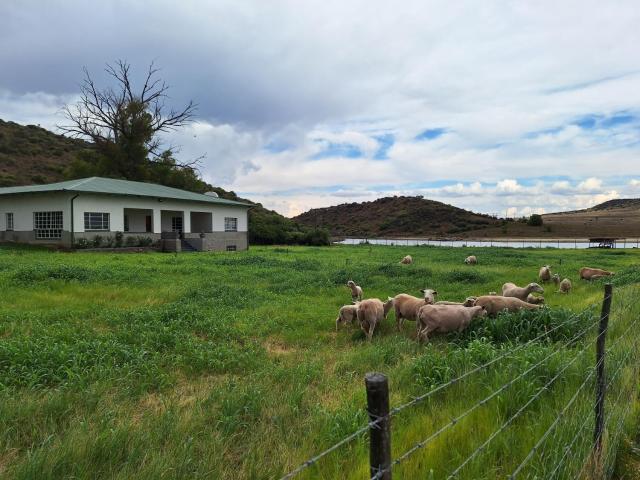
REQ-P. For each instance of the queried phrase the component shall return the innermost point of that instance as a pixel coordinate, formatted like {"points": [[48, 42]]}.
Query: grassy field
{"points": [[228, 365]]}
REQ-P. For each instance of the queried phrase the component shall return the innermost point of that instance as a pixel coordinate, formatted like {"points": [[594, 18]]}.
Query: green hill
{"points": [[396, 216]]}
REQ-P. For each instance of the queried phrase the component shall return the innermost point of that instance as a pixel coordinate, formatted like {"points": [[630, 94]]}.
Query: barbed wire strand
{"points": [[495, 434], [588, 418], [455, 420], [563, 411], [509, 352], [513, 417], [394, 411]]}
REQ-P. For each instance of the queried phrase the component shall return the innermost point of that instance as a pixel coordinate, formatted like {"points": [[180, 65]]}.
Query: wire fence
{"points": [[575, 389]]}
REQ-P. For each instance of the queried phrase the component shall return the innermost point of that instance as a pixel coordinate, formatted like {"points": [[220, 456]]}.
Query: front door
{"points": [[148, 223]]}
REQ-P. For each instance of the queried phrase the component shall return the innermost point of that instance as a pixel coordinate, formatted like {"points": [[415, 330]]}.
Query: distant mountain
{"points": [[33, 155], [396, 216], [617, 203], [617, 218]]}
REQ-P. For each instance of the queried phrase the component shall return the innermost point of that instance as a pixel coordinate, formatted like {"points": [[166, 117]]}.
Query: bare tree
{"points": [[120, 121]]}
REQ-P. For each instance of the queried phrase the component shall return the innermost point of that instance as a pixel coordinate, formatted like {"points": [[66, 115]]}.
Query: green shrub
{"points": [[535, 220], [97, 241], [118, 239]]}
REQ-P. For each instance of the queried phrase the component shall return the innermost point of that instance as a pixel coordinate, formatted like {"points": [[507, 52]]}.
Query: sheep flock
{"points": [[440, 316]]}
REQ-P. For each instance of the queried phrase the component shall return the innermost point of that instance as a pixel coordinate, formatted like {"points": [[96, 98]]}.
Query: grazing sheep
{"points": [[445, 319], [565, 286], [356, 291], [531, 298], [555, 278], [494, 304], [588, 273], [347, 314], [407, 260], [407, 306], [471, 260], [371, 312], [512, 290], [545, 273], [467, 303]]}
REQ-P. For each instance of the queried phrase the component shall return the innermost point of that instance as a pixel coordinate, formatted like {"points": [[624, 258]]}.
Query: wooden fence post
{"points": [[380, 434], [600, 374]]}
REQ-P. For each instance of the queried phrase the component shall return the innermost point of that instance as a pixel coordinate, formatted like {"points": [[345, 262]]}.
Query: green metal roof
{"points": [[120, 187]]}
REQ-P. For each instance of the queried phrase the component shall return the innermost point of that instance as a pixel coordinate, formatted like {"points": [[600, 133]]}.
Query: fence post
{"points": [[600, 375], [380, 434]]}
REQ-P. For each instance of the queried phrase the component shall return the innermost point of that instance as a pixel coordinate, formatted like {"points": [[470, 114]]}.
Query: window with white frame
{"points": [[96, 222], [231, 248], [9, 218], [230, 224], [176, 224], [47, 224]]}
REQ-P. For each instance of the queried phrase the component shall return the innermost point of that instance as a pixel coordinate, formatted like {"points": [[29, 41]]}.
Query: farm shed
{"points": [[65, 212]]}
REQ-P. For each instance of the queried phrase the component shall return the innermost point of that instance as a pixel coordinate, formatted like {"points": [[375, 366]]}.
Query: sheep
{"points": [[356, 291], [512, 290], [407, 306], [371, 312], [555, 278], [407, 260], [545, 273], [471, 260], [565, 286], [531, 298], [588, 273], [445, 319], [495, 304], [347, 314], [469, 301]]}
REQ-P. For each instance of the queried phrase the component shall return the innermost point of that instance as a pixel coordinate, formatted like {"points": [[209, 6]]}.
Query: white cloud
{"points": [[507, 82]]}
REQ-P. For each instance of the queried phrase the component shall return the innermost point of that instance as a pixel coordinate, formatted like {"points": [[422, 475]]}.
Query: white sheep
{"points": [[531, 298], [347, 314], [469, 302], [565, 286], [356, 291], [445, 319], [407, 306], [408, 260], [371, 312], [471, 260], [545, 273], [555, 278], [512, 290]]}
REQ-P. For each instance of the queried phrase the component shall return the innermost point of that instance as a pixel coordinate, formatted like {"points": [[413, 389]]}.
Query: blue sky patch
{"points": [[385, 141], [339, 150], [430, 134]]}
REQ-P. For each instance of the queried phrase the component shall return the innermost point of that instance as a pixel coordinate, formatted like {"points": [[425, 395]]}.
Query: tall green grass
{"points": [[221, 365]]}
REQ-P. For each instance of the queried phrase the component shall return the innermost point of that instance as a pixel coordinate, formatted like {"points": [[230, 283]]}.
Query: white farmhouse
{"points": [[62, 213]]}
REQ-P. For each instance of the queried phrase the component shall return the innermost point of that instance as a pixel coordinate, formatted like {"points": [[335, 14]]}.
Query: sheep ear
{"points": [[423, 290], [435, 292]]}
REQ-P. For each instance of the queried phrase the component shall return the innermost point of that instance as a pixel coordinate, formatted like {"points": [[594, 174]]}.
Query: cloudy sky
{"points": [[500, 107]]}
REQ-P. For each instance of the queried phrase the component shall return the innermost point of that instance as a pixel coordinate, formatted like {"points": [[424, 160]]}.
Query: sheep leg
{"points": [[337, 322]]}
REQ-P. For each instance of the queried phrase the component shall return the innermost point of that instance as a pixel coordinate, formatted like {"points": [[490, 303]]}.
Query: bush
{"points": [[97, 241], [145, 241], [535, 220], [82, 243], [118, 242], [131, 241]]}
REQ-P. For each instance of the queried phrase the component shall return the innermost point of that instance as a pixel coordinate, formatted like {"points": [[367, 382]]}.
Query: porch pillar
{"points": [[157, 220], [186, 221]]}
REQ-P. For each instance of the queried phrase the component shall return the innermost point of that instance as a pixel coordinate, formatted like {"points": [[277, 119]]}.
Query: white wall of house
{"points": [[22, 206]]}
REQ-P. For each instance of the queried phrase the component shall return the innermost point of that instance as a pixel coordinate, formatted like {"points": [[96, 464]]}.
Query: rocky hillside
{"points": [[396, 216], [31, 154]]}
